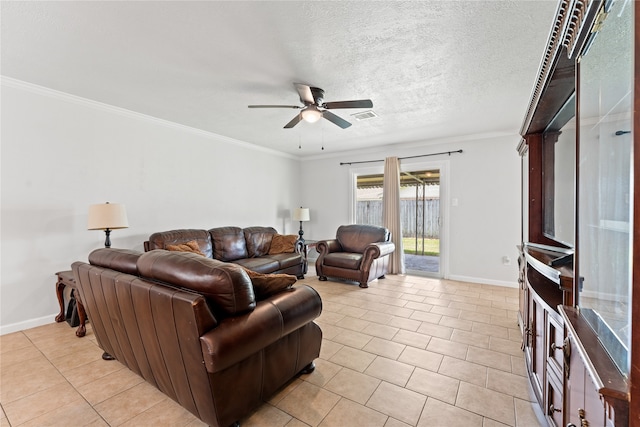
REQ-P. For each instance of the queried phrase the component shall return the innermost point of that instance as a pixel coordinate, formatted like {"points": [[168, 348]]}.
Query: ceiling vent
{"points": [[364, 115]]}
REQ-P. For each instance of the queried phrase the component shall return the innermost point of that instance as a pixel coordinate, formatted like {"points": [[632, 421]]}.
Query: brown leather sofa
{"points": [[359, 253], [248, 247], [194, 328]]}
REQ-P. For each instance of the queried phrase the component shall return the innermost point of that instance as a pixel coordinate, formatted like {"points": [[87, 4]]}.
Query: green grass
{"points": [[431, 246]]}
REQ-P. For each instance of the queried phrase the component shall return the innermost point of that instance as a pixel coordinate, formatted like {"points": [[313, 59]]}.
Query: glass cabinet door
{"points": [[605, 182]]}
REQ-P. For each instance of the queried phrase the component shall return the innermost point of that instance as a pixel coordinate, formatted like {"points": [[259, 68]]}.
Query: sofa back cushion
{"points": [[163, 239], [123, 260], [355, 237], [226, 286], [258, 240], [228, 243]]}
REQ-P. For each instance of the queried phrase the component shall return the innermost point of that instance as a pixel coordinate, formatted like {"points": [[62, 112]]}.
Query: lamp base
{"points": [[301, 233], [107, 241]]}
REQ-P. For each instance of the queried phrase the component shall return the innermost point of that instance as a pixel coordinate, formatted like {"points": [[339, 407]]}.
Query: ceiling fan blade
{"points": [[275, 106], [294, 121], [362, 103], [306, 97], [335, 119]]}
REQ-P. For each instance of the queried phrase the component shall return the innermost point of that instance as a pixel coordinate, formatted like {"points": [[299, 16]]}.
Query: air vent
{"points": [[364, 115]]}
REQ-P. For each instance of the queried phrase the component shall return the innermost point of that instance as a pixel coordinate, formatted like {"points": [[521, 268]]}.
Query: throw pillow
{"points": [[190, 246], [281, 244], [265, 285]]}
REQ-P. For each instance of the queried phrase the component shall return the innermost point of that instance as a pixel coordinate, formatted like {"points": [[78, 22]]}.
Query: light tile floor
{"points": [[407, 351]]}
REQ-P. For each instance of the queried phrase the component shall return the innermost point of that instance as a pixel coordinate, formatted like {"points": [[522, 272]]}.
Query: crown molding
{"points": [[67, 97]]}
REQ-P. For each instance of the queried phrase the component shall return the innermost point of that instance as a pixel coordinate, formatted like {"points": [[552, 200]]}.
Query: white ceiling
{"points": [[433, 69]]}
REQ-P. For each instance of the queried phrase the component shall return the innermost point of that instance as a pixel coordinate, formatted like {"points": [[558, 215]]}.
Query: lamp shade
{"points": [[107, 216], [301, 214]]}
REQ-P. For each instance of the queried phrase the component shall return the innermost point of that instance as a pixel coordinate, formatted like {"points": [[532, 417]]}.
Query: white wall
{"points": [[60, 154], [485, 180]]}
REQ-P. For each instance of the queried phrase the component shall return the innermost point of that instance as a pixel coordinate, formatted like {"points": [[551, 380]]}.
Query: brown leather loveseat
{"points": [[196, 328], [251, 247], [359, 253]]}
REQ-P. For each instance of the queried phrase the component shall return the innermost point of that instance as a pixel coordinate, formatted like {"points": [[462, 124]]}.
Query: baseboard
{"points": [[483, 281], [27, 324]]}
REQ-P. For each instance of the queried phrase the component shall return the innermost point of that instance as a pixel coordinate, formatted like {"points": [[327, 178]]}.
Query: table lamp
{"points": [[301, 214], [107, 217]]}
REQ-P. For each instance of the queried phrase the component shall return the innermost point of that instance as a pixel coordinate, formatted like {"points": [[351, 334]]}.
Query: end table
{"points": [[308, 246]]}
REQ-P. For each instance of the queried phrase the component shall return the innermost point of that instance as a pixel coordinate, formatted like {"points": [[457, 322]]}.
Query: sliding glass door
{"points": [[421, 211], [420, 207]]}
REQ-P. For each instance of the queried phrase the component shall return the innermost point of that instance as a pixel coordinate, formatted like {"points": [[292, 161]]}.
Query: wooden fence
{"points": [[370, 212]]}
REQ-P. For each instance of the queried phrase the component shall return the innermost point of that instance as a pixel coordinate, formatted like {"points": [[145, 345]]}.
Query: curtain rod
{"points": [[402, 158]]}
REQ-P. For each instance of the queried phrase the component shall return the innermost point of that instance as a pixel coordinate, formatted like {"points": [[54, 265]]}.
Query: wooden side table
{"points": [[65, 278]]}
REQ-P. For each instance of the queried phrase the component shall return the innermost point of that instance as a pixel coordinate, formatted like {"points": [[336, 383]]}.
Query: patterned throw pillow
{"points": [[190, 246], [282, 244]]}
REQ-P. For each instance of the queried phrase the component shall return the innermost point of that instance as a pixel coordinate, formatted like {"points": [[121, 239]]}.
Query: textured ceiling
{"points": [[433, 69]]}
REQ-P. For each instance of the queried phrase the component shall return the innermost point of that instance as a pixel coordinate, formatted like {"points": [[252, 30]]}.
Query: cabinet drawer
{"points": [[555, 344], [554, 402]]}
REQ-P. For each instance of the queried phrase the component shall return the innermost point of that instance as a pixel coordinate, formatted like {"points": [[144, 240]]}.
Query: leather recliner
{"points": [[359, 253]]}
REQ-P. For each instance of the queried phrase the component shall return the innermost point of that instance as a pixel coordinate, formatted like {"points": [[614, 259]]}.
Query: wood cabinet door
{"points": [[523, 295], [594, 412], [555, 343], [574, 387], [584, 402], [554, 404], [537, 350]]}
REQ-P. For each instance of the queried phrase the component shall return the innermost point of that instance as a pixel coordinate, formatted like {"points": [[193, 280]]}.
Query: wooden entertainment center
{"points": [[580, 252]]}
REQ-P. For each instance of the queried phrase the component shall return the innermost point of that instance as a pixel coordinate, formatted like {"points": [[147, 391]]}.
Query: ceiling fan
{"points": [[315, 108]]}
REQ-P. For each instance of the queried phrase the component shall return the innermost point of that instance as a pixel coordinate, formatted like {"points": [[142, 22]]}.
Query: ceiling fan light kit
{"points": [[311, 114], [315, 108]]}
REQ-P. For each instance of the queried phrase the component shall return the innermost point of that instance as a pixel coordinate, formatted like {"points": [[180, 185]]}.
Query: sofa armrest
{"points": [[237, 338], [380, 249], [375, 250], [327, 246]]}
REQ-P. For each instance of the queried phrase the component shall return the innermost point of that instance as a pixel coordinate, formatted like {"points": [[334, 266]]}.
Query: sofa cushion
{"points": [[346, 260], [356, 237], [226, 286], [265, 285], [286, 260], [190, 246], [161, 239], [260, 265], [123, 260], [258, 240], [228, 243], [282, 244]]}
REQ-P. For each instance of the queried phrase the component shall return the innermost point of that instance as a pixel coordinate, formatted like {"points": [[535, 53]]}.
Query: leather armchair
{"points": [[359, 253]]}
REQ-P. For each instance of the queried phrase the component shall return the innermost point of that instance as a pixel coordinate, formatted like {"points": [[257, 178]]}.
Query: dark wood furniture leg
{"points": [[65, 278], [59, 293], [82, 315]]}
